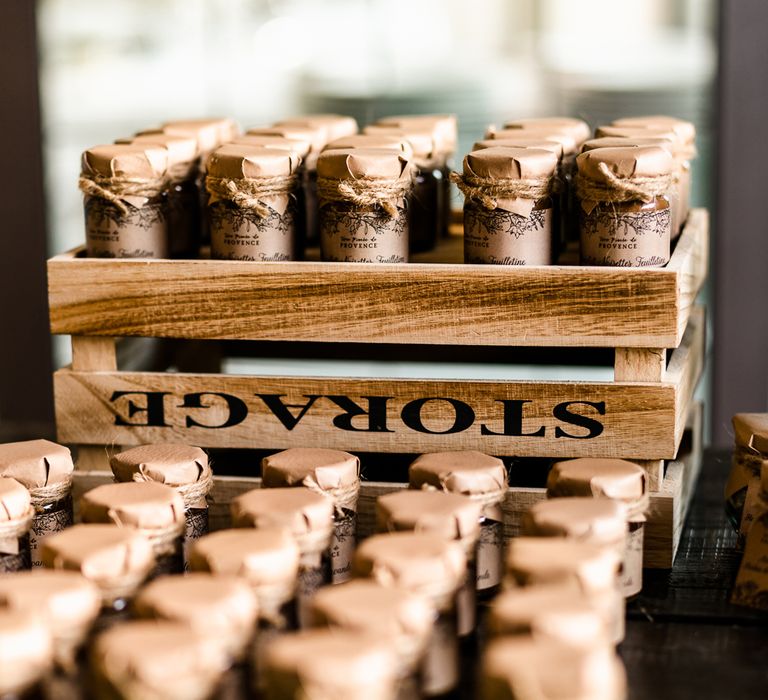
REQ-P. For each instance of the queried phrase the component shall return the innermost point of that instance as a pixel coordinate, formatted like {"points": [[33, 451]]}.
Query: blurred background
{"points": [[86, 72]]}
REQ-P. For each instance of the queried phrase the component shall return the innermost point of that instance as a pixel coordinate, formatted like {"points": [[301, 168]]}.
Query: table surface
{"points": [[684, 639]]}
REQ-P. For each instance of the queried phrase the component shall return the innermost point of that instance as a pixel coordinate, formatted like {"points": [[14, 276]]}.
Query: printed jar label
{"points": [[47, 523], [196, 527], [625, 239], [502, 238], [631, 579], [343, 548], [751, 587], [352, 234], [239, 234], [141, 233], [490, 554], [753, 505], [14, 555]]}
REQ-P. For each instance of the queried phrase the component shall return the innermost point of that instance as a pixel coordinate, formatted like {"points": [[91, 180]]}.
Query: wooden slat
{"points": [[640, 364], [415, 303]]}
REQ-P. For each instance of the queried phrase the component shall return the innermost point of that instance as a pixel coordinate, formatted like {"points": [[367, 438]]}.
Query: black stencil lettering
{"points": [[594, 427], [280, 410], [513, 420], [411, 415], [154, 408], [377, 414], [238, 411]]}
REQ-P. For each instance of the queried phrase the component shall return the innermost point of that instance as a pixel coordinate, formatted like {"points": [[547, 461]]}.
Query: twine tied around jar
{"points": [[621, 189], [164, 540], [15, 529], [367, 191], [114, 189], [344, 497], [45, 495], [487, 191], [250, 193], [193, 493]]}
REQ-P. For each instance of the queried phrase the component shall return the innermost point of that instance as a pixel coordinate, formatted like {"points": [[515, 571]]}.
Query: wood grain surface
{"points": [[420, 303]]}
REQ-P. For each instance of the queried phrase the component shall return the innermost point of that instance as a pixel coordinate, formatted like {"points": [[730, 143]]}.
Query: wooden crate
{"points": [[647, 316], [666, 516]]}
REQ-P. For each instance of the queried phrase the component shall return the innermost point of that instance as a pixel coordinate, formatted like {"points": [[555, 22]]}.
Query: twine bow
{"points": [[366, 191], [487, 191], [621, 189], [250, 193], [115, 189]]}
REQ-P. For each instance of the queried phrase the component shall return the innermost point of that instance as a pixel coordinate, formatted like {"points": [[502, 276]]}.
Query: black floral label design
{"points": [[239, 234], [625, 239], [343, 547], [196, 527], [47, 523], [140, 233], [490, 552], [355, 234], [501, 237], [14, 555]]}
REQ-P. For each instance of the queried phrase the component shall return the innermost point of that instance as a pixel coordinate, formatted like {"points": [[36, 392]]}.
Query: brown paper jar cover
{"points": [[209, 132], [578, 129], [470, 473], [26, 651], [598, 520], [625, 162], [363, 163], [401, 618], [335, 126], [627, 142], [237, 161], [390, 141], [443, 126], [107, 555], [566, 141], [633, 132], [421, 139], [126, 160], [295, 145], [750, 431], [145, 506], [520, 668], [522, 142], [315, 136], [330, 664], [15, 501], [36, 463], [610, 478], [166, 463], [684, 130], [556, 612], [157, 659], [447, 515], [308, 466], [418, 562], [66, 600], [181, 152], [264, 558]]}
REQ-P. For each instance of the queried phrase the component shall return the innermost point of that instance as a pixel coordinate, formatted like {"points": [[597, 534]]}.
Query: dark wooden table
{"points": [[684, 639]]}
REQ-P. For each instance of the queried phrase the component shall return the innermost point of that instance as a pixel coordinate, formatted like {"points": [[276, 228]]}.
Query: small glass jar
{"points": [[125, 201], [589, 569], [518, 668], [625, 218], [622, 481], [401, 618], [333, 473], [483, 479], [308, 516], [115, 559], [509, 206], [429, 565], [183, 467], [330, 664], [156, 659], [154, 510], [27, 654], [16, 514], [751, 585], [45, 468], [362, 195]]}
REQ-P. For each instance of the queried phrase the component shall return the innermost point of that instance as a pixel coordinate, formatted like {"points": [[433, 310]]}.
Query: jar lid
{"points": [[265, 557], [628, 142], [750, 431], [420, 138], [567, 141], [444, 127], [181, 150], [314, 135], [510, 163], [66, 600], [610, 478], [206, 135], [303, 512], [467, 472], [235, 161], [417, 562], [214, 606], [632, 132], [558, 612], [685, 130], [372, 140], [522, 142], [158, 659], [549, 670], [146, 506], [166, 463], [578, 129], [363, 163], [298, 146], [314, 467], [448, 515], [397, 616], [335, 126], [330, 663], [36, 463], [591, 567], [15, 501], [26, 652], [125, 160], [598, 520], [210, 132], [625, 162], [107, 555]]}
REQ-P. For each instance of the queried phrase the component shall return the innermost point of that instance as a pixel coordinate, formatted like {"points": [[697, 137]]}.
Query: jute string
{"points": [[250, 193], [343, 496], [164, 540], [621, 189], [366, 191], [487, 191], [11, 530], [45, 495], [193, 493], [114, 189]]}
